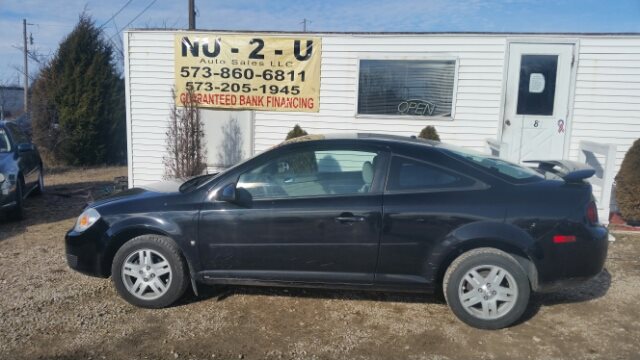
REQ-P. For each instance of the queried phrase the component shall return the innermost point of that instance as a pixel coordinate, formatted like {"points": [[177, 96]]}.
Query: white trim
{"points": [[412, 57], [571, 99], [127, 94], [520, 36]]}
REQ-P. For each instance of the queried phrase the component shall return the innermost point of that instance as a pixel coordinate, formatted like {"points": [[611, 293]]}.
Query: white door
{"points": [[537, 101]]}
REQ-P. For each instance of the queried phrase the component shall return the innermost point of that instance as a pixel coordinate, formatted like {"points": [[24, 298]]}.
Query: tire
{"points": [[39, 189], [157, 284], [16, 213], [486, 288]]}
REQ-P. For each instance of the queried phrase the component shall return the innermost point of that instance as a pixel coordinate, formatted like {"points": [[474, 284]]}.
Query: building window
{"points": [[537, 87], [406, 87]]}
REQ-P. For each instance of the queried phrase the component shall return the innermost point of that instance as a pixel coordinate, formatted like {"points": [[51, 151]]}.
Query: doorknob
{"points": [[349, 218], [507, 122]]}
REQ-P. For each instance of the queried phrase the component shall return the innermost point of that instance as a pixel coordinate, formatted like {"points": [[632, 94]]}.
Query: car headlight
{"points": [[86, 219], [2, 178]]}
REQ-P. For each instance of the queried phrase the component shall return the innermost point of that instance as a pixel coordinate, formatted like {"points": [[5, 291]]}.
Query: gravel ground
{"points": [[48, 311]]}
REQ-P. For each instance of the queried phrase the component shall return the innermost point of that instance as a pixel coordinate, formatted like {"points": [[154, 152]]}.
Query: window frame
{"points": [[476, 185], [380, 56], [379, 177]]}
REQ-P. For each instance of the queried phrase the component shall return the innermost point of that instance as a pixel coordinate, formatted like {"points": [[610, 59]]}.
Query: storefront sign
{"points": [[248, 71]]}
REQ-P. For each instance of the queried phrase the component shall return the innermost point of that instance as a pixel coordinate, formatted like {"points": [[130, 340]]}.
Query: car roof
{"points": [[364, 137]]}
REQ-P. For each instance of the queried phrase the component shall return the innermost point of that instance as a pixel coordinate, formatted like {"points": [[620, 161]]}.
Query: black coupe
{"points": [[362, 212]]}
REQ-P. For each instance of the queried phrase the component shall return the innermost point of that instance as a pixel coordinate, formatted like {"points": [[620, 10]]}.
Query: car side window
{"points": [[305, 173], [409, 174]]}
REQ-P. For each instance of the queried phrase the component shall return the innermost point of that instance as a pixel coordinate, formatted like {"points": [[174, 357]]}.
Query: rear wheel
{"points": [[487, 288], [149, 271]]}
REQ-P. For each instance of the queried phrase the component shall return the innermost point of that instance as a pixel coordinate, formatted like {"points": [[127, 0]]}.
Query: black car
{"points": [[20, 169], [360, 212]]}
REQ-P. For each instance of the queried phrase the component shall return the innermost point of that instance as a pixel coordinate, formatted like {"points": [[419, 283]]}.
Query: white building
{"points": [[534, 96]]}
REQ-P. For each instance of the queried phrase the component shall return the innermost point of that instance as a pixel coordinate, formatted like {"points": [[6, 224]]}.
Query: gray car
{"points": [[20, 170]]}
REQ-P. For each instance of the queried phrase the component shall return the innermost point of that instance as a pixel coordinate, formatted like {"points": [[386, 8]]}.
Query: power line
{"points": [[116, 14], [134, 19]]}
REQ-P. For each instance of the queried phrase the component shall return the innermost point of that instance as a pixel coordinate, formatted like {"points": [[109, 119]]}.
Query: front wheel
{"points": [[149, 271], [487, 288], [39, 190], [16, 213]]}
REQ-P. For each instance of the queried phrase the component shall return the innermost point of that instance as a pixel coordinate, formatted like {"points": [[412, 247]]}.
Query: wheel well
{"points": [[512, 250], [116, 244]]}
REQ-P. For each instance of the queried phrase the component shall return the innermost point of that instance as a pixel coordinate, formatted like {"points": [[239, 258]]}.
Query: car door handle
{"points": [[349, 218]]}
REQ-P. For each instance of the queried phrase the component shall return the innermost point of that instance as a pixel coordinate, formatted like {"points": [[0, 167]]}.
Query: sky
{"points": [[51, 20]]}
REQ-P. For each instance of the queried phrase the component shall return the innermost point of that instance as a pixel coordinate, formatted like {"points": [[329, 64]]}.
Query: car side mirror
{"points": [[238, 196], [227, 193], [25, 147]]}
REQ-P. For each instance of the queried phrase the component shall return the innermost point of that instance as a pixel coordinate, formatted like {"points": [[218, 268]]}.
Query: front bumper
{"points": [[84, 251]]}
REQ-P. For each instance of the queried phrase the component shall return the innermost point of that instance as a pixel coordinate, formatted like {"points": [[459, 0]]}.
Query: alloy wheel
{"points": [[146, 274], [488, 292]]}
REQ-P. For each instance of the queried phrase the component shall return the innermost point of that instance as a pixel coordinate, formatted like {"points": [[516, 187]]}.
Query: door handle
{"points": [[349, 218], [507, 122]]}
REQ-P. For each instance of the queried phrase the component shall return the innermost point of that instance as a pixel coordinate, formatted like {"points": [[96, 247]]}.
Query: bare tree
{"points": [[230, 152], [186, 153]]}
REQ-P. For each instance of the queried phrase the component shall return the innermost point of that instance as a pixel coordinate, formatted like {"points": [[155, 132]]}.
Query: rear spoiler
{"points": [[569, 171]]}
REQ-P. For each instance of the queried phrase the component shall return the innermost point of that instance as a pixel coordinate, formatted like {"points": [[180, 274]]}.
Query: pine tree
{"points": [[78, 101]]}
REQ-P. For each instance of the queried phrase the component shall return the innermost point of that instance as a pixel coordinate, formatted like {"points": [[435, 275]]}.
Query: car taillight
{"points": [[592, 213], [563, 239]]}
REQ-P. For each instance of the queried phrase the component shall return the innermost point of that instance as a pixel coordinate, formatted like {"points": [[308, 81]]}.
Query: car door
{"points": [[315, 215], [423, 203]]}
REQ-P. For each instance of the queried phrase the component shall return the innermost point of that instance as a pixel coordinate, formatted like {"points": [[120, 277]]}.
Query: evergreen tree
{"points": [[78, 101]]}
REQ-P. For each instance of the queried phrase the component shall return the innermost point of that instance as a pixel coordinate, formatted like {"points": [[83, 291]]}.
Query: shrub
{"points": [[296, 132], [186, 152], [628, 185], [429, 133]]}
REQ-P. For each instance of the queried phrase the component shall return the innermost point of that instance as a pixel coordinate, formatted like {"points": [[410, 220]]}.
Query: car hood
{"points": [[153, 190]]}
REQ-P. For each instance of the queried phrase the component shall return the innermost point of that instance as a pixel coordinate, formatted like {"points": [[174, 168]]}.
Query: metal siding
{"points": [[605, 108], [607, 95], [478, 92]]}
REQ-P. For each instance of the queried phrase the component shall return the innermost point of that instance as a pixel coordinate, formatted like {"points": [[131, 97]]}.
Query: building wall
{"points": [[607, 96], [607, 93], [478, 93]]}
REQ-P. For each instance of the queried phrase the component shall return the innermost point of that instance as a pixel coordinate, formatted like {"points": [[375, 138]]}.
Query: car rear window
{"points": [[496, 166]]}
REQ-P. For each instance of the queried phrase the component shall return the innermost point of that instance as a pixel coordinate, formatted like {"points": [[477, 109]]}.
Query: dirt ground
{"points": [[48, 311]]}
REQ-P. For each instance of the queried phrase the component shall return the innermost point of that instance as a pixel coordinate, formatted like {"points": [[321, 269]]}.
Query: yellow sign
{"points": [[248, 71]]}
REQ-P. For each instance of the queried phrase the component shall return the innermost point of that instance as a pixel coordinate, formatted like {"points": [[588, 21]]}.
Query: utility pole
{"points": [[192, 15], [304, 24], [26, 67]]}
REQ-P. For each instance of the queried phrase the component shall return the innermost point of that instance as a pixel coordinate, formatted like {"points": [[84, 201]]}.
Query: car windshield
{"points": [[500, 167], [5, 145]]}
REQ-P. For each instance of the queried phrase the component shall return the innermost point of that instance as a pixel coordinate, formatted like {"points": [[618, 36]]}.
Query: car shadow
{"points": [[57, 203], [590, 290], [223, 292]]}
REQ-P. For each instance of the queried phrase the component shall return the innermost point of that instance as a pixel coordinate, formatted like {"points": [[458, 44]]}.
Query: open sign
{"points": [[416, 107]]}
